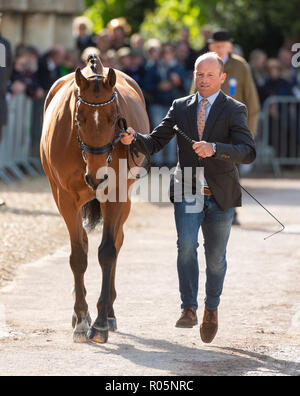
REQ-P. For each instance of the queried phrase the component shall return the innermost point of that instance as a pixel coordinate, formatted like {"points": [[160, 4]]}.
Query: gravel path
{"points": [[30, 225], [259, 315]]}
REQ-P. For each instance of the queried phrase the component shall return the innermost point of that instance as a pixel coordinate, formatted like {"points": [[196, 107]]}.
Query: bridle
{"points": [[108, 148]]}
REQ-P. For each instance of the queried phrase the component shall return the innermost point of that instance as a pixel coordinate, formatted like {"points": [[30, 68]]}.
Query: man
{"points": [[218, 126], [5, 71], [49, 67], [239, 83], [164, 82]]}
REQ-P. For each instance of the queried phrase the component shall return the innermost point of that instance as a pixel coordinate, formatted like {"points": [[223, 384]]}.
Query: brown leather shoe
{"points": [[188, 318], [209, 327]]}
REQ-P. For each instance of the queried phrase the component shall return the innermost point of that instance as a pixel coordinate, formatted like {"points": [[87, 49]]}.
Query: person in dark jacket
{"points": [[164, 82], [5, 71], [49, 67], [217, 124]]}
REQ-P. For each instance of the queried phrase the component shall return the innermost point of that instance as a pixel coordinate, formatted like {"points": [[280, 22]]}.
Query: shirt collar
{"points": [[211, 98], [226, 59]]}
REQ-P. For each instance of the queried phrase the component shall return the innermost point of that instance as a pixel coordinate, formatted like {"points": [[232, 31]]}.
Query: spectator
{"points": [[119, 29], [279, 126], [104, 41], [276, 85], [287, 70], [124, 59], [258, 65], [137, 41], [153, 50], [206, 32], [82, 28], [164, 81], [32, 55], [49, 67], [5, 70], [239, 82], [71, 62], [110, 59], [237, 50], [183, 55], [184, 45], [137, 66], [23, 77]]}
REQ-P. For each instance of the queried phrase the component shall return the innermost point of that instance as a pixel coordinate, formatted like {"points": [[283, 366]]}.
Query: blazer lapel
{"points": [[214, 113], [191, 116]]}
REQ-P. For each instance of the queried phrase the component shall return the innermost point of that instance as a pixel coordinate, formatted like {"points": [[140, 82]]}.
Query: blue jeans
{"points": [[216, 226]]}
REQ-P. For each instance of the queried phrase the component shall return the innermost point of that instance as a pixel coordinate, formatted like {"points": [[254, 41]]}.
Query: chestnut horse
{"points": [[81, 117]]}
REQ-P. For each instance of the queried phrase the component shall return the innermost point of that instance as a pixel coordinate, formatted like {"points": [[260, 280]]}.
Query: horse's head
{"points": [[96, 118]]}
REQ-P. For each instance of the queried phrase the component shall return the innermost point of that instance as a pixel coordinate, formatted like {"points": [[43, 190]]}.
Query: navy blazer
{"points": [[226, 126]]}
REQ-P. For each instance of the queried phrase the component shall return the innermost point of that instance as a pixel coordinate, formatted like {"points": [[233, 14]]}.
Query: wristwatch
{"points": [[214, 146]]}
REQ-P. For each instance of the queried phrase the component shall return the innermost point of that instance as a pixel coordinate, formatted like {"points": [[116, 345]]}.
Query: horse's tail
{"points": [[91, 215]]}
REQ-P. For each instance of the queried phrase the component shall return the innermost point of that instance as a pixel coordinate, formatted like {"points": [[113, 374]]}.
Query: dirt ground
{"points": [[30, 225], [259, 330]]}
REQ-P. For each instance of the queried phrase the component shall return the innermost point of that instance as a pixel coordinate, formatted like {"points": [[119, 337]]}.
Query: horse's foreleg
{"points": [[107, 257], [78, 261], [114, 217]]}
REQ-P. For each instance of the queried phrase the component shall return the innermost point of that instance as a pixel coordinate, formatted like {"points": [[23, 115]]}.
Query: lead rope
{"points": [[131, 152], [188, 139]]}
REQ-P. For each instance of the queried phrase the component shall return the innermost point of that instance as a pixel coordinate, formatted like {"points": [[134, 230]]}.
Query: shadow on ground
{"points": [[176, 359]]}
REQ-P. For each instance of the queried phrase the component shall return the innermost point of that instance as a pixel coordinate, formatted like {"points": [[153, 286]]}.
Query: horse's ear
{"points": [[81, 81], [111, 79]]}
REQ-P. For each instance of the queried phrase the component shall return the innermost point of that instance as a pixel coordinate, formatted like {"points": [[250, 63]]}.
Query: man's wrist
{"points": [[214, 147]]}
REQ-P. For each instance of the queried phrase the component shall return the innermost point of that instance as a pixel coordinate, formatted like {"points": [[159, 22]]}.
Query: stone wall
{"points": [[41, 23]]}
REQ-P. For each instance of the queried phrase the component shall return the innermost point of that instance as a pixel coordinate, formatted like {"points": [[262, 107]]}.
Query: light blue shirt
{"points": [[211, 100]]}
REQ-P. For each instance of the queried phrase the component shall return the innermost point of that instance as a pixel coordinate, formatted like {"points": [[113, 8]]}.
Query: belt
{"points": [[206, 191]]}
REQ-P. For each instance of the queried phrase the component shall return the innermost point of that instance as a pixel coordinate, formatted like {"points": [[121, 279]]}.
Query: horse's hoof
{"points": [[112, 324], [99, 336], [79, 337]]}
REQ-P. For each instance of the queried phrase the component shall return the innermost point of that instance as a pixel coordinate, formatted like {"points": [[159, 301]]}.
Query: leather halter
{"points": [[108, 148]]}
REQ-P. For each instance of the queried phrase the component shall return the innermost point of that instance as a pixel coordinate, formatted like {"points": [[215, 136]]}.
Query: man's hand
{"points": [[203, 149], [128, 136]]}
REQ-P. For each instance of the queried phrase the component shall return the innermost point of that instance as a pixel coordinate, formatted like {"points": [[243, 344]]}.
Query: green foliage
{"points": [[172, 15], [253, 23], [102, 11], [259, 23]]}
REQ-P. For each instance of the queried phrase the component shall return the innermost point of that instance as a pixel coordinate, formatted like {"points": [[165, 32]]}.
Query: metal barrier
{"points": [[15, 146], [278, 140]]}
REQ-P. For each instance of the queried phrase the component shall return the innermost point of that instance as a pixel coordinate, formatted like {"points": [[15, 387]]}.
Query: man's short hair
{"points": [[210, 55]]}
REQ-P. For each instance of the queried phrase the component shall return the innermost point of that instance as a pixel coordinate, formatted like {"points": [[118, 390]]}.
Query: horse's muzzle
{"points": [[95, 185]]}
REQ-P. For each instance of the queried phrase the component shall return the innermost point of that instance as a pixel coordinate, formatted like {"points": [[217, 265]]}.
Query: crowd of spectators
{"points": [[164, 71]]}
